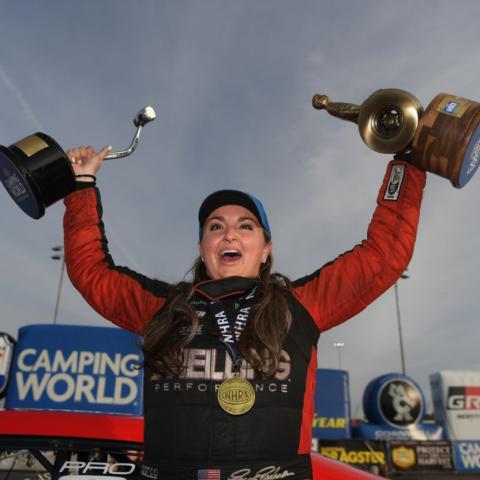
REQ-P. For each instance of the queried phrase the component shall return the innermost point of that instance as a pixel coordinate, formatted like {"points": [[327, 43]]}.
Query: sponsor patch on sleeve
{"points": [[394, 182]]}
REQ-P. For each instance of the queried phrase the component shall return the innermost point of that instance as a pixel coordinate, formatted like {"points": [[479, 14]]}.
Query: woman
{"points": [[230, 358]]}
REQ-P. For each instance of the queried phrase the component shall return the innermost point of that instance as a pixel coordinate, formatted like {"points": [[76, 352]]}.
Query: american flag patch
{"points": [[210, 474]]}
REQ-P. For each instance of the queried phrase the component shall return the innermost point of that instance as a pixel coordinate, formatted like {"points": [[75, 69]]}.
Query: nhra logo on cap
{"points": [[463, 398]]}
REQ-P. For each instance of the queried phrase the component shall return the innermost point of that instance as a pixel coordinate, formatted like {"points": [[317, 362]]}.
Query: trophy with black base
{"points": [[443, 139], [37, 173]]}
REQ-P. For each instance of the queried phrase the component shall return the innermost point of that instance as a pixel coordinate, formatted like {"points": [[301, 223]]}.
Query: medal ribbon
{"points": [[231, 322]]}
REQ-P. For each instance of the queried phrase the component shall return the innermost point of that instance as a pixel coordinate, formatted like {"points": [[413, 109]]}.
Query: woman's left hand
{"points": [[85, 161]]}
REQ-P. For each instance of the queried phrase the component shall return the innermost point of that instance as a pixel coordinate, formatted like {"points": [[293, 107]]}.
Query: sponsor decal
{"points": [[271, 472], [471, 160], [450, 107], [464, 398], [353, 457], [329, 422], [419, 431], [149, 472], [464, 402], [63, 367], [454, 106], [212, 364], [354, 452], [78, 376], [400, 403], [90, 477], [467, 456], [17, 186], [403, 457], [98, 468], [394, 183], [421, 456], [456, 402], [397, 401]]}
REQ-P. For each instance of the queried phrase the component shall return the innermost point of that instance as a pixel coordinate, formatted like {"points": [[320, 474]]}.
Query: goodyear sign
{"points": [[332, 405], [467, 456], [72, 368]]}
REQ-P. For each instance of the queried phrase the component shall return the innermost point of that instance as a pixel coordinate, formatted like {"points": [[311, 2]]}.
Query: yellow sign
{"points": [[329, 422], [354, 456]]}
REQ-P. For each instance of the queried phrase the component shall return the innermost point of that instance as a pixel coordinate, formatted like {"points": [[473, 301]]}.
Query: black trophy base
{"points": [[36, 173]]}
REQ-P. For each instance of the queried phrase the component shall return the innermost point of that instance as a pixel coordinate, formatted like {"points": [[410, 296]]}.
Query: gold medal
{"points": [[236, 395]]}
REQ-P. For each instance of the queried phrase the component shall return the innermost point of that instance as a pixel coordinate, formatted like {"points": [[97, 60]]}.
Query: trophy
{"points": [[443, 139], [37, 173]]}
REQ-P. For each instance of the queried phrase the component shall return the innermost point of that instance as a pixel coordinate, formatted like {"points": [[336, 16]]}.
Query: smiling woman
{"points": [[230, 355], [234, 235]]}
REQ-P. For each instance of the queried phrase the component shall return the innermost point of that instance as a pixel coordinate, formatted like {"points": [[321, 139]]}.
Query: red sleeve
{"points": [[344, 287], [122, 296]]}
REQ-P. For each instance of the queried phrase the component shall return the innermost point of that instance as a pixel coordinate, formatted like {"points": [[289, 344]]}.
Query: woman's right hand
{"points": [[85, 161]]}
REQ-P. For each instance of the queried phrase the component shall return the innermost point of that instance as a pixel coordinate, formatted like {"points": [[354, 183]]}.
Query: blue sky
{"points": [[232, 84]]}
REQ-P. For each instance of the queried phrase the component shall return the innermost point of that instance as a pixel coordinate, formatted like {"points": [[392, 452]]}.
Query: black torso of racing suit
{"points": [[268, 436], [187, 434]]}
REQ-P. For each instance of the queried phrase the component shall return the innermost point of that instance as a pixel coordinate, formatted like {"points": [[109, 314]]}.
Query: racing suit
{"points": [[187, 434]]}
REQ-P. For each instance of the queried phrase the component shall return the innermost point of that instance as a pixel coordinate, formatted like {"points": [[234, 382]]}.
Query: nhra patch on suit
{"points": [[394, 182]]}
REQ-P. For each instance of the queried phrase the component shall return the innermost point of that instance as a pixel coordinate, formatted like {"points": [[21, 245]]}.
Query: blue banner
{"points": [[419, 431], [332, 405], [467, 455], [76, 368]]}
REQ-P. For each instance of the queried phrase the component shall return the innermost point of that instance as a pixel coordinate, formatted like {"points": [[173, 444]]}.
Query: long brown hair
{"points": [[175, 325]]}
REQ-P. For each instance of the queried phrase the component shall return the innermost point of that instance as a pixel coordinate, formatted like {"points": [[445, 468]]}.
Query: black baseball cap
{"points": [[233, 197]]}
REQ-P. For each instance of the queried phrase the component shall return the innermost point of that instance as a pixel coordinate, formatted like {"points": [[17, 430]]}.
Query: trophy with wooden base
{"points": [[37, 173], [443, 139]]}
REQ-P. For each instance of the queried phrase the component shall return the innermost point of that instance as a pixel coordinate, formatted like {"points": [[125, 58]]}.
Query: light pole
{"points": [[59, 255], [400, 336], [339, 346]]}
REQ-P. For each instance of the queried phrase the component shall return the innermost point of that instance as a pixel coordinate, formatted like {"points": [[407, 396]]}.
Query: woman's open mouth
{"points": [[230, 255]]}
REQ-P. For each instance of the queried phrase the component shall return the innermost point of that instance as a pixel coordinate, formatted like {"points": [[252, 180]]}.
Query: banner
{"points": [[456, 403], [332, 405], [363, 454], [419, 431], [72, 368], [467, 456], [420, 456]]}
